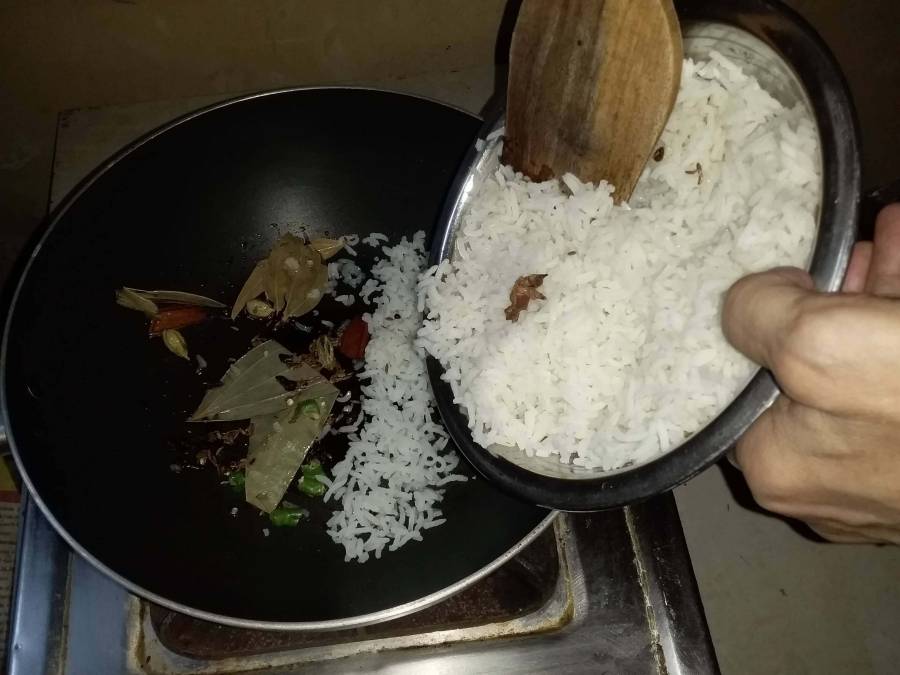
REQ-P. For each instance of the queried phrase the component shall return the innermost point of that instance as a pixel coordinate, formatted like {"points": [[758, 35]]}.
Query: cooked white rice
{"points": [[345, 299], [350, 273], [374, 239], [390, 481], [626, 357]]}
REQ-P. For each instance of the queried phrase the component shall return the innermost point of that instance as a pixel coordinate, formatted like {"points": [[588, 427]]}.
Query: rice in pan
{"points": [[390, 484]]}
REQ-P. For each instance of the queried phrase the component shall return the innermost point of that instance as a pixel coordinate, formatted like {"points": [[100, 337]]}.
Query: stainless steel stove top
{"points": [[607, 592]]}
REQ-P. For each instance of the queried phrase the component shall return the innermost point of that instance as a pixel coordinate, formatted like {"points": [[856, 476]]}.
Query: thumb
{"points": [[760, 309]]}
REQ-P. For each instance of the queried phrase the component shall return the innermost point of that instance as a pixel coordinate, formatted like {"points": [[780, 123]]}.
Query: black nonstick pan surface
{"points": [[91, 404]]}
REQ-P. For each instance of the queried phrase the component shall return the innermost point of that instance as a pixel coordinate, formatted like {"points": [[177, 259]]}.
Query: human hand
{"points": [[828, 451]]}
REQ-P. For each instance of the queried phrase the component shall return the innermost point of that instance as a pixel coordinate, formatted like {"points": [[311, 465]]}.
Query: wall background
{"points": [[61, 54]]}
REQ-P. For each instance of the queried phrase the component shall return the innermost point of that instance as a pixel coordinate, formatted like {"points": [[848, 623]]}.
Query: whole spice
{"points": [[354, 339], [226, 437], [327, 248], [260, 309], [698, 169], [173, 318], [127, 297], [292, 277], [253, 287], [659, 153], [277, 449], [296, 277], [176, 298], [175, 343], [323, 351], [524, 291], [259, 384]]}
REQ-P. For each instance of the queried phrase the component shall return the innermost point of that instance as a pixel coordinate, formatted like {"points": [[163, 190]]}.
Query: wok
{"points": [[90, 404]]}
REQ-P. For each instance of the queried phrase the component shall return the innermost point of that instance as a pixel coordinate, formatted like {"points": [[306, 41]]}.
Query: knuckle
{"points": [[771, 489], [803, 336], [810, 346], [739, 289]]}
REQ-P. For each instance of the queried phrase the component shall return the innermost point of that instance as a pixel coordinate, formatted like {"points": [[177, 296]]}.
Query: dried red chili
{"points": [[354, 339], [174, 318]]}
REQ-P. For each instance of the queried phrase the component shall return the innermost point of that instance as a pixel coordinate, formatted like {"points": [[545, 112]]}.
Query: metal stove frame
{"points": [[626, 601]]}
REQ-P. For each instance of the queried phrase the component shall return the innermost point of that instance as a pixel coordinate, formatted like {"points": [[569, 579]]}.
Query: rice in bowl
{"points": [[625, 358]]}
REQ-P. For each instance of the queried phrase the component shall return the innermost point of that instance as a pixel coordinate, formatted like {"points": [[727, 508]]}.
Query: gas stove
{"points": [[610, 592]]}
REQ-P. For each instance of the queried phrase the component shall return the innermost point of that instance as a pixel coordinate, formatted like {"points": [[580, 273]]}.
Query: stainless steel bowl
{"points": [[778, 48]]}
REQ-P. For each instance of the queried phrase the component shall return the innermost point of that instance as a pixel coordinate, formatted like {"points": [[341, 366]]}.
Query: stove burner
{"points": [[520, 587]]}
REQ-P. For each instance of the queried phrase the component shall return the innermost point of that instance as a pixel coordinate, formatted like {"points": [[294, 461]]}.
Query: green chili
{"points": [[287, 516], [313, 468], [310, 408], [236, 480], [309, 484]]}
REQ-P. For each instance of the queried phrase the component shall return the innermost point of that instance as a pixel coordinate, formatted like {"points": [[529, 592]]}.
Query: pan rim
{"points": [[6, 430]]}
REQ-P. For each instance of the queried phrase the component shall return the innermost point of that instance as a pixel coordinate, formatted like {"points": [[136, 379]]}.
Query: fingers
{"points": [[844, 533], [805, 464], [829, 351], [858, 269], [784, 476], [766, 455], [760, 309], [884, 270], [839, 535]]}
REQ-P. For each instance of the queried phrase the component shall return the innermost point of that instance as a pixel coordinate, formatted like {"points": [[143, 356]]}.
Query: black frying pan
{"points": [[91, 404]]}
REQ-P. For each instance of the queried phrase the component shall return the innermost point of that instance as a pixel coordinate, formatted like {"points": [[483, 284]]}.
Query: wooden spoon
{"points": [[591, 85]]}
